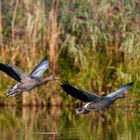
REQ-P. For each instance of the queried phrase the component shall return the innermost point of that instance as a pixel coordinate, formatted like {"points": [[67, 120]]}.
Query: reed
{"points": [[93, 44]]}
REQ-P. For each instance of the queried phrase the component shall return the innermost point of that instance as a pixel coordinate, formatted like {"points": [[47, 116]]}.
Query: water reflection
{"points": [[63, 123]]}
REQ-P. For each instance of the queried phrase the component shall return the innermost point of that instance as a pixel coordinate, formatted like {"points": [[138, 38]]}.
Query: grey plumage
{"points": [[26, 82], [94, 102]]}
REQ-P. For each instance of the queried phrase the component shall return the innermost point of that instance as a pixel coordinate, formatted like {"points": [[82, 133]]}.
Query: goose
{"points": [[25, 81], [94, 102]]}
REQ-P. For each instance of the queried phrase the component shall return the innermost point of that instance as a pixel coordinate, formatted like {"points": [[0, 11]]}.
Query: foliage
{"points": [[93, 44]]}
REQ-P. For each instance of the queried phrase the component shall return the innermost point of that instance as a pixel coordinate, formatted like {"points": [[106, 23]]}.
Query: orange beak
{"points": [[57, 78]]}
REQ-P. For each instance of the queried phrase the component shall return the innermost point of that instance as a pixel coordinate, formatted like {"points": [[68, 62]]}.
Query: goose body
{"points": [[26, 82], [94, 102]]}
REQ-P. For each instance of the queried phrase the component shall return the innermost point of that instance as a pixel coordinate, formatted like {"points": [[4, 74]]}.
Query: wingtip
{"points": [[130, 84], [64, 82], [45, 58]]}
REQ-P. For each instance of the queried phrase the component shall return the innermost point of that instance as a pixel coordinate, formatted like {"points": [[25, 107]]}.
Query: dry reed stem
{"points": [[14, 19], [53, 34]]}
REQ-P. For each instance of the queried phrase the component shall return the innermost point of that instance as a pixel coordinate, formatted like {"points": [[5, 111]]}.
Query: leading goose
{"points": [[26, 82], [94, 102]]}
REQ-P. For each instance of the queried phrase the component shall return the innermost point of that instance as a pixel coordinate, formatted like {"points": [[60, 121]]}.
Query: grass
{"points": [[93, 44]]}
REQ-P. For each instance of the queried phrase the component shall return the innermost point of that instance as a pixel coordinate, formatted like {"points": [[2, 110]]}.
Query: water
{"points": [[63, 124]]}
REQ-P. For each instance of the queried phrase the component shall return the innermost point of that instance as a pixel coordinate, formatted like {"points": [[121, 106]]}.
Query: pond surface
{"points": [[63, 124]]}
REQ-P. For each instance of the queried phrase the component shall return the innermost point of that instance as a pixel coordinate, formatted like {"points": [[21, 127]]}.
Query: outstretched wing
{"points": [[40, 68], [14, 72], [80, 94], [121, 90]]}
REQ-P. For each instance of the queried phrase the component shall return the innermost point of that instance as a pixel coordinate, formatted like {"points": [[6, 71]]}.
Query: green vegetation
{"points": [[93, 44]]}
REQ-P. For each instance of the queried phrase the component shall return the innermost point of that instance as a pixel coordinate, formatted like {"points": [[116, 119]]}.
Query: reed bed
{"points": [[93, 44]]}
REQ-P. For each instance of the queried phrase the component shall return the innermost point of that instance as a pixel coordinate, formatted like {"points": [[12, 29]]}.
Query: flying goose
{"points": [[94, 102], [26, 82]]}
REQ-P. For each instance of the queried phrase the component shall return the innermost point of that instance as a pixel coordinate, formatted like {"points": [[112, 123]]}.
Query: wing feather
{"points": [[40, 68], [79, 94], [14, 72], [121, 90]]}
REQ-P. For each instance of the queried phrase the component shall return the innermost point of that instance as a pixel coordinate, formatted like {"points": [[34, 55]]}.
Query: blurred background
{"points": [[94, 44]]}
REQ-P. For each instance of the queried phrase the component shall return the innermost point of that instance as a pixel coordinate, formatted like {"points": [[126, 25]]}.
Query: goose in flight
{"points": [[25, 81], [94, 102]]}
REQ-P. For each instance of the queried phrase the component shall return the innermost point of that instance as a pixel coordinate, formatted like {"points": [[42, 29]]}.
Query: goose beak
{"points": [[57, 78]]}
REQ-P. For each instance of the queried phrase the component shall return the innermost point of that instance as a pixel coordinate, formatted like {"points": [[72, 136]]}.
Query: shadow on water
{"points": [[63, 123]]}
